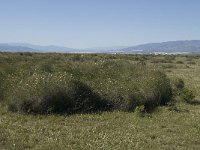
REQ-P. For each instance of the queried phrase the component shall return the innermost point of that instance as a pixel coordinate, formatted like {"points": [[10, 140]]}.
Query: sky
{"points": [[98, 23]]}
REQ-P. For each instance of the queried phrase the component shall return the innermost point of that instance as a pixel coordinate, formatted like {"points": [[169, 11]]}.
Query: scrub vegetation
{"points": [[99, 101]]}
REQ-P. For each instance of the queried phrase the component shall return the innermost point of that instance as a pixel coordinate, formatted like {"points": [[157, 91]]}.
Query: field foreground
{"points": [[165, 128]]}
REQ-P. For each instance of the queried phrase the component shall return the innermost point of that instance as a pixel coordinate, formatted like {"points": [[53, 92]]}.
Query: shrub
{"points": [[180, 62], [188, 58], [54, 94], [168, 66], [186, 95], [191, 63], [178, 83], [85, 86], [131, 85], [159, 60], [156, 90], [1, 85], [4, 84], [46, 67], [179, 90], [170, 57]]}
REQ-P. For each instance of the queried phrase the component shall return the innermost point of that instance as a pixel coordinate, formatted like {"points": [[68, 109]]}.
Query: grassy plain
{"points": [[164, 128]]}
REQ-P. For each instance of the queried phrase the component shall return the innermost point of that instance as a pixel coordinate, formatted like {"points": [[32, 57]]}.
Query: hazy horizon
{"points": [[95, 23], [84, 48]]}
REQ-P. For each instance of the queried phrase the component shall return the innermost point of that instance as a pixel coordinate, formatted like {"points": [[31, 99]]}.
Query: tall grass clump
{"points": [[2, 76], [181, 92], [126, 85], [54, 93], [5, 82], [69, 83]]}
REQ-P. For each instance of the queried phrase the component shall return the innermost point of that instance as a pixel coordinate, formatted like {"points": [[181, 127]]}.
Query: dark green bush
{"points": [[182, 92], [170, 57], [1, 85], [54, 94], [4, 87], [178, 84], [188, 58], [72, 83], [127, 86], [186, 95], [159, 60], [168, 66], [47, 67], [191, 63], [121, 86], [156, 90], [180, 62]]}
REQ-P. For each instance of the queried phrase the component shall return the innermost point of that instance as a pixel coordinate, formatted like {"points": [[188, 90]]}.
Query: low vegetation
{"points": [[85, 86], [113, 98]]}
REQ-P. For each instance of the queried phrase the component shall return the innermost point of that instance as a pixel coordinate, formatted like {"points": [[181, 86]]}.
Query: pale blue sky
{"points": [[94, 23]]}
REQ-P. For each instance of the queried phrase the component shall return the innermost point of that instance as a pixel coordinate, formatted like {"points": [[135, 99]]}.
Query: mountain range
{"points": [[171, 47], [174, 47]]}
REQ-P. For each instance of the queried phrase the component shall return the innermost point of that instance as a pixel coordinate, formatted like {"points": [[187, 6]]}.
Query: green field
{"points": [[124, 87]]}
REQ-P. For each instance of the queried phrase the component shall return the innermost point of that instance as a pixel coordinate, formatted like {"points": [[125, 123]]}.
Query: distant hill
{"points": [[171, 47], [192, 46], [50, 48], [25, 47], [10, 48]]}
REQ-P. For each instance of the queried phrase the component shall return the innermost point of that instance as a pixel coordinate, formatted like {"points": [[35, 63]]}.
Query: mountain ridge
{"points": [[190, 46], [182, 46]]}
